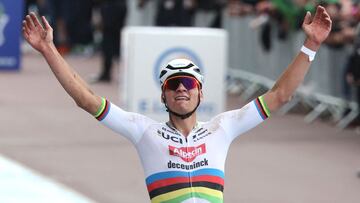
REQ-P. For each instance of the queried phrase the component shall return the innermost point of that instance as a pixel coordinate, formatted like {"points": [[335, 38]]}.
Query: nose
{"points": [[181, 88]]}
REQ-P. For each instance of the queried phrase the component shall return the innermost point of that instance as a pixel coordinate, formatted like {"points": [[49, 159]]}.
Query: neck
{"points": [[183, 125]]}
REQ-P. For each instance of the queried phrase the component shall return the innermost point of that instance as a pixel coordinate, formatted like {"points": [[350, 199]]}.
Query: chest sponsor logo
{"points": [[201, 134], [190, 166], [187, 154], [173, 138]]}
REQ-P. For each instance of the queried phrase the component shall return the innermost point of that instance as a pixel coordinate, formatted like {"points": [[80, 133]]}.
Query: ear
{"points": [[201, 95], [162, 98]]}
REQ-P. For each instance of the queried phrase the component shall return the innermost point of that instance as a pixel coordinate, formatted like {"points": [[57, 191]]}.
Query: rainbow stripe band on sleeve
{"points": [[103, 110], [262, 107]]}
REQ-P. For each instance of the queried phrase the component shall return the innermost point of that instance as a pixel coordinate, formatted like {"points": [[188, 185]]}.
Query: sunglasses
{"points": [[174, 82]]}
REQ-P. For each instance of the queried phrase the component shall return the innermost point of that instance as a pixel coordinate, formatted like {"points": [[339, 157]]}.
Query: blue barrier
{"points": [[11, 14]]}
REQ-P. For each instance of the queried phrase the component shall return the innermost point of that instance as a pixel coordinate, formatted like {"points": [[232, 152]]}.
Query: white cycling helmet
{"points": [[180, 67]]}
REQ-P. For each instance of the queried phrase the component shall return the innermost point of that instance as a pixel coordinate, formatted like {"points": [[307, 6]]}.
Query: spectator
{"points": [[241, 7], [79, 25], [58, 12], [113, 13], [342, 32], [173, 12], [215, 7], [353, 65]]}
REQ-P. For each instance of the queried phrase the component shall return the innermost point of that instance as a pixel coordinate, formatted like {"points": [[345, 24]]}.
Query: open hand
{"points": [[37, 35], [318, 28]]}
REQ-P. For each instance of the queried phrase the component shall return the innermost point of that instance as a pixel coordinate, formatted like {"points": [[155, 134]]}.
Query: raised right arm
{"points": [[41, 38]]}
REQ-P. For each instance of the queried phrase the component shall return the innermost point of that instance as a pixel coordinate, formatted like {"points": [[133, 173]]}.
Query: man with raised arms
{"points": [[183, 159]]}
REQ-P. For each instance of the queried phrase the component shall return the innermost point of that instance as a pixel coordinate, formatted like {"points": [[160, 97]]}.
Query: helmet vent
{"points": [[197, 70], [163, 72], [180, 67]]}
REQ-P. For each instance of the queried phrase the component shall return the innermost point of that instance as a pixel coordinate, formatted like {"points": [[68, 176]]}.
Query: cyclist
{"points": [[183, 159]]}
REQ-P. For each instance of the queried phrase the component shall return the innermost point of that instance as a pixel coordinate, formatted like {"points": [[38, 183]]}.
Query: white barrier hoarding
{"points": [[147, 49]]}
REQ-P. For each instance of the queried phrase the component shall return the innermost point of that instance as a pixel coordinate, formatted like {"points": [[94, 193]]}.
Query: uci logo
{"points": [[4, 19], [173, 53], [173, 138]]}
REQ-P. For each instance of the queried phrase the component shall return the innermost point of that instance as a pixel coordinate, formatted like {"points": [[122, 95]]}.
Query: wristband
{"points": [[308, 52]]}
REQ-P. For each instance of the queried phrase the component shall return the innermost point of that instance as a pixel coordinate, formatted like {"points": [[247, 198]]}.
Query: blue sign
{"points": [[11, 15]]}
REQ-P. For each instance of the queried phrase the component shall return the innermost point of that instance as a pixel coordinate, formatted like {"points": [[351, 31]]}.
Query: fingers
{"points": [[46, 23], [323, 16], [25, 27], [327, 21], [29, 23], [326, 17], [323, 12], [35, 20], [320, 9], [319, 12], [307, 19], [25, 34]]}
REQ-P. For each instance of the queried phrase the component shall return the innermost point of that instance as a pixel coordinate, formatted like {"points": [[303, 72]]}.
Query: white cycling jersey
{"points": [[179, 168]]}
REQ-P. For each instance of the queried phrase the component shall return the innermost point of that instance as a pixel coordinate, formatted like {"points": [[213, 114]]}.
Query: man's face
{"points": [[181, 94]]}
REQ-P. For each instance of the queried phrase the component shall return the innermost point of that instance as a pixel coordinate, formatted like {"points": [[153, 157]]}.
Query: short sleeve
{"points": [[128, 124], [239, 121]]}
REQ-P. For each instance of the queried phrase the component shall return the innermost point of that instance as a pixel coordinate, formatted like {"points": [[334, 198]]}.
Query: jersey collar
{"points": [[171, 126]]}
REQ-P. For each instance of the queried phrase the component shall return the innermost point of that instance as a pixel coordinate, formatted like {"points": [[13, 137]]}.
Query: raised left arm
{"points": [[316, 30]]}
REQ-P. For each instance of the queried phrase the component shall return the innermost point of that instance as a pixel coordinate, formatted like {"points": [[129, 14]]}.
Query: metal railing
{"points": [[319, 103]]}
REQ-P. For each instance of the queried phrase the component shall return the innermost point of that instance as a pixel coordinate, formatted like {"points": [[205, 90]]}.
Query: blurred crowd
{"points": [[74, 20], [86, 26], [288, 15]]}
